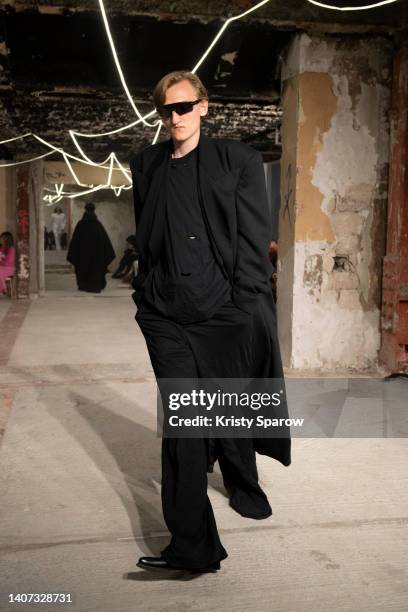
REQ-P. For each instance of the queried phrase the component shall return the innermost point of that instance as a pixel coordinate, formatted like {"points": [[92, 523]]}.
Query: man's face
{"points": [[183, 127]]}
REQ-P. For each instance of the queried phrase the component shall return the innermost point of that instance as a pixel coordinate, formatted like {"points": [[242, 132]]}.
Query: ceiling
{"points": [[57, 72]]}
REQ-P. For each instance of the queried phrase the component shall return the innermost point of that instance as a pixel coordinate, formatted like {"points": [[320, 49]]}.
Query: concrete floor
{"points": [[80, 485]]}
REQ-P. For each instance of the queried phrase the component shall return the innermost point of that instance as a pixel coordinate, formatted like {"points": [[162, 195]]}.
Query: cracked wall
{"points": [[333, 251]]}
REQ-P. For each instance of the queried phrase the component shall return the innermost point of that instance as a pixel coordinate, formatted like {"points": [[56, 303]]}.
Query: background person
{"points": [[129, 256], [7, 259], [90, 252], [58, 226]]}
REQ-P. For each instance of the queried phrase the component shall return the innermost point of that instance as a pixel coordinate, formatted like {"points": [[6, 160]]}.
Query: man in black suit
{"points": [[205, 306]]}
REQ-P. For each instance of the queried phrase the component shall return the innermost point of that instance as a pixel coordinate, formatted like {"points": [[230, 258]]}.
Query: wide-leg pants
{"points": [[218, 347]]}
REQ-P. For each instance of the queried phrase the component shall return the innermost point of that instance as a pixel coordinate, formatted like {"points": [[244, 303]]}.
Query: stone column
{"points": [[335, 134], [30, 273], [37, 276], [23, 232]]}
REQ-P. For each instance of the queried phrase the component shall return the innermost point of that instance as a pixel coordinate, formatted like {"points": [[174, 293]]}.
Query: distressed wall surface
{"points": [[23, 231], [337, 94], [394, 348], [36, 223]]}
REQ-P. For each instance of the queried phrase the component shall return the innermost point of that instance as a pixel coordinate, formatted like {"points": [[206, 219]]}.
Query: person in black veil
{"points": [[90, 252]]}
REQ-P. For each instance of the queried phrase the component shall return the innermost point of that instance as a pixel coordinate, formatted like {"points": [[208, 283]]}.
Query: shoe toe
{"points": [[152, 562], [160, 563]]}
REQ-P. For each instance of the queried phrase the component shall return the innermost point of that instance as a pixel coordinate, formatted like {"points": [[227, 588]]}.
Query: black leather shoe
{"points": [[153, 562], [160, 563]]}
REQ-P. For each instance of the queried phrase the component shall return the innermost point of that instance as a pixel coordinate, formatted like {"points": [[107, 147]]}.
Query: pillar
{"points": [[30, 240], [334, 174]]}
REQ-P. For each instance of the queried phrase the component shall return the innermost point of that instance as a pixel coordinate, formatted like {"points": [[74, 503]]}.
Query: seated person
{"points": [[7, 259], [129, 256]]}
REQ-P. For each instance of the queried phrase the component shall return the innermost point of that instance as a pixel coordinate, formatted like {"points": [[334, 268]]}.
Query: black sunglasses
{"points": [[181, 108]]}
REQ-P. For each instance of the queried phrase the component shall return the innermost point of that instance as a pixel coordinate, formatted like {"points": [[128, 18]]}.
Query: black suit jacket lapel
{"points": [[152, 190]]}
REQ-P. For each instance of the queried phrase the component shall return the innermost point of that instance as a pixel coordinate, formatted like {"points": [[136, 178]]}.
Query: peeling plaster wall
{"points": [[35, 192], [342, 89], [117, 217]]}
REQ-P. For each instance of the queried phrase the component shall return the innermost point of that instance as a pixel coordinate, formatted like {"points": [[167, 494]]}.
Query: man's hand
{"points": [[273, 247]]}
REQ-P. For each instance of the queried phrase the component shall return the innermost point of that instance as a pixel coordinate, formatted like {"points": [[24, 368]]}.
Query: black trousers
{"points": [[219, 347]]}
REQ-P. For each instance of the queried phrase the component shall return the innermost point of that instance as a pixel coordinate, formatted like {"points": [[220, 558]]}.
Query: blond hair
{"points": [[159, 92]]}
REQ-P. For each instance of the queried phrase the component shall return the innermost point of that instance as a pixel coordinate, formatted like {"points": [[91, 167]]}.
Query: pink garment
{"points": [[7, 266]]}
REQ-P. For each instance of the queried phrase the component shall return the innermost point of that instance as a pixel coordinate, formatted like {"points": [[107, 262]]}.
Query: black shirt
{"points": [[187, 284]]}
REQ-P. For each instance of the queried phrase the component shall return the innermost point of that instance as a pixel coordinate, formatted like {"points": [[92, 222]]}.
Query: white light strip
{"points": [[366, 7], [117, 190], [118, 66], [226, 24], [25, 161], [121, 129], [201, 60], [67, 193], [157, 132], [125, 172], [57, 150], [159, 122], [85, 159], [15, 138], [62, 152], [73, 134], [113, 157], [51, 199]]}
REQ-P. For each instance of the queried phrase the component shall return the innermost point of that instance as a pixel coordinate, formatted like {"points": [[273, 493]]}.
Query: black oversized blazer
{"points": [[233, 197]]}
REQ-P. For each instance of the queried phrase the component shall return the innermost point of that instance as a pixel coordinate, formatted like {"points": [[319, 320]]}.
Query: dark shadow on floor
{"points": [[136, 451]]}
